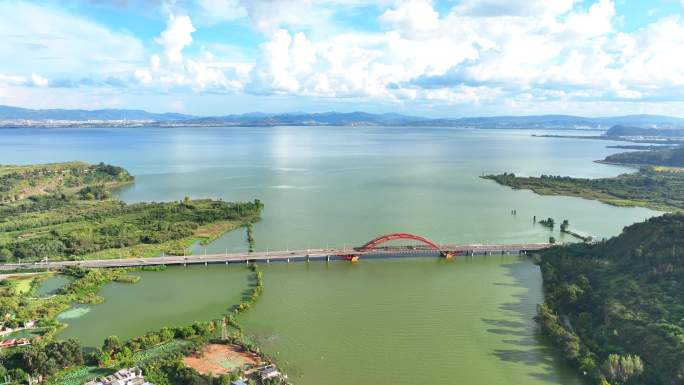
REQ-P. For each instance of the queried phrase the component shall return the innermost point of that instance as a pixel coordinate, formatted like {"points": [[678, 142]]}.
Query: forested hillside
{"points": [[673, 157], [616, 309]]}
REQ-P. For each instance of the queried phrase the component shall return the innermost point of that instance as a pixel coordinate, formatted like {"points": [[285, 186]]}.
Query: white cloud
{"points": [[176, 36], [34, 80], [176, 72], [414, 18], [481, 50], [52, 42], [511, 53], [522, 8], [215, 11], [38, 80]]}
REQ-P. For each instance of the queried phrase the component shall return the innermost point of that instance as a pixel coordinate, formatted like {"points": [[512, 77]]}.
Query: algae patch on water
{"points": [[74, 312]]}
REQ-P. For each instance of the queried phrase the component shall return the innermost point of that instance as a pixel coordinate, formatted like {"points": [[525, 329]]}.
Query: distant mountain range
{"points": [[17, 113], [15, 116]]}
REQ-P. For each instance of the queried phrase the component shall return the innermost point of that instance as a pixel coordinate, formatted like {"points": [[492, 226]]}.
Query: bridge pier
{"points": [[308, 258], [327, 258], [288, 259]]}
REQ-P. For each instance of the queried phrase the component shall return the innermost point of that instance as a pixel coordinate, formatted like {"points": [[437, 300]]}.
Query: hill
{"points": [[15, 113], [671, 157], [303, 119], [616, 308], [364, 118], [15, 116], [620, 131]]}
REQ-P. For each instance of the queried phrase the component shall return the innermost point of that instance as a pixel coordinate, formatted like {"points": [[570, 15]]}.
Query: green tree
{"points": [[621, 369], [112, 344], [5, 255]]}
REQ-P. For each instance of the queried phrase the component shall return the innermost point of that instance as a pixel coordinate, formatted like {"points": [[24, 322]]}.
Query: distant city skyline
{"points": [[415, 57]]}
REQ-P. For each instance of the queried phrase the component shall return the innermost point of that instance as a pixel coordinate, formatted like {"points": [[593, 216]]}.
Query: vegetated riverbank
{"points": [[159, 354], [615, 309], [669, 157], [634, 135], [65, 211], [71, 216], [658, 184], [654, 188]]}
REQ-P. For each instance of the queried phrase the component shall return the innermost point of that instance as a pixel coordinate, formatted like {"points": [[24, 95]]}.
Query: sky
{"points": [[441, 58]]}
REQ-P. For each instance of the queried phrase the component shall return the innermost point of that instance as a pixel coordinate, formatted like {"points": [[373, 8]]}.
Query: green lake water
{"points": [[175, 297], [376, 322], [396, 322], [51, 285]]}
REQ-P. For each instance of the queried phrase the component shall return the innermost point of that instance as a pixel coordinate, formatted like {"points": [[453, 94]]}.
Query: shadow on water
{"points": [[528, 345]]}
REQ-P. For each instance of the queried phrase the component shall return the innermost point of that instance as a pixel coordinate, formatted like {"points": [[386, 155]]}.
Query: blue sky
{"points": [[433, 58]]}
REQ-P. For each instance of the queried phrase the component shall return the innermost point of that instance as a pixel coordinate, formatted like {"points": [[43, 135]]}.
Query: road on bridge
{"points": [[286, 256]]}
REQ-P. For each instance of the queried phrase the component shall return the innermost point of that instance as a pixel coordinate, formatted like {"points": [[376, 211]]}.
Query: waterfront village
{"points": [[265, 374], [254, 370]]}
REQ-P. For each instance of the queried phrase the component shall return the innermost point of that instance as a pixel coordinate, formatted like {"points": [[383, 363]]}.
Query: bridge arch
{"points": [[374, 243]]}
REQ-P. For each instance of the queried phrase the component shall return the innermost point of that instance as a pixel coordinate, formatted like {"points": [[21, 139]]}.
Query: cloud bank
{"points": [[526, 54]]}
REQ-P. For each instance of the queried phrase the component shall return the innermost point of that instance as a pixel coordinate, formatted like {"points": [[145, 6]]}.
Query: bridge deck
{"points": [[288, 256]]}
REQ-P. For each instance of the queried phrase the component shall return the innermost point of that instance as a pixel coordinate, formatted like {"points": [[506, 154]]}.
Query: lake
{"points": [[376, 322], [340, 186]]}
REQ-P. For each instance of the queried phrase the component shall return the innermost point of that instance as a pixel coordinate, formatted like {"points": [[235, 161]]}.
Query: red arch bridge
{"points": [[377, 246]]}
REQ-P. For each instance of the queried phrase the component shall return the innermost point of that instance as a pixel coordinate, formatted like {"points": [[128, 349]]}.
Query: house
{"points": [[131, 376], [238, 382], [269, 371], [14, 342]]}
